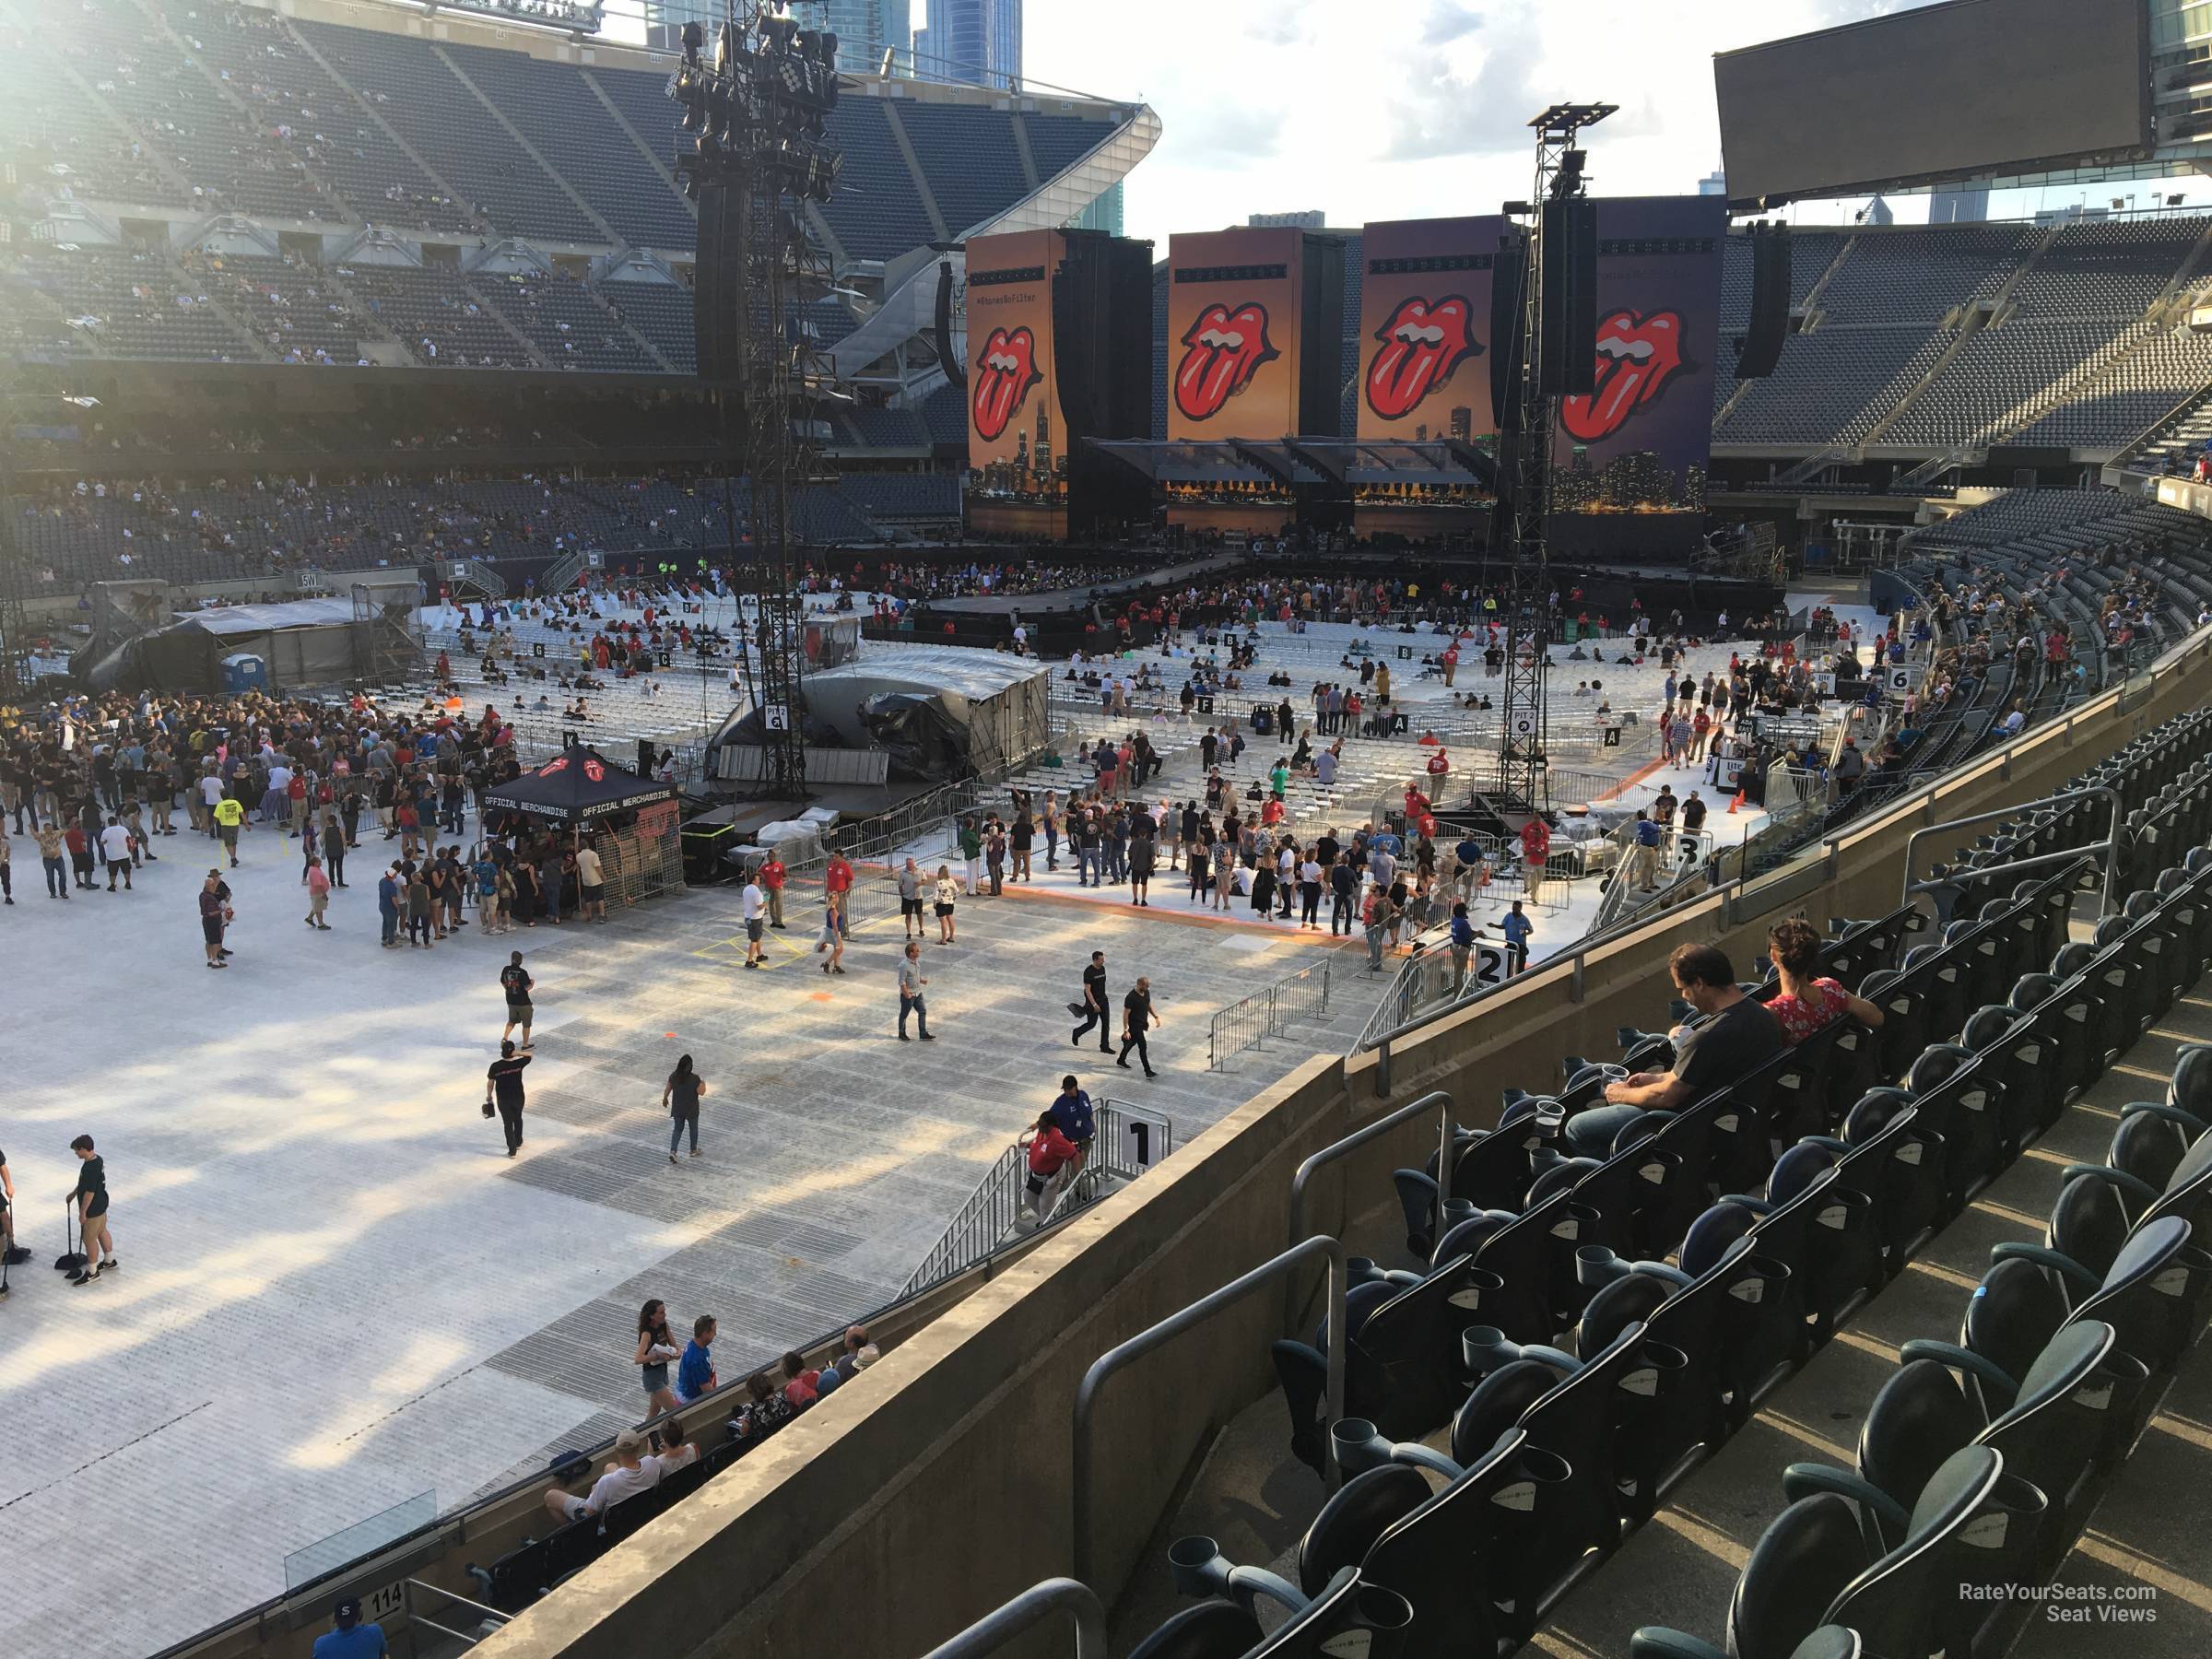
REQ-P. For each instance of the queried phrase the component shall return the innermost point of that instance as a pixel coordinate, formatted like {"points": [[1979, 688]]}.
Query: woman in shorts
{"points": [[832, 936], [948, 890]]}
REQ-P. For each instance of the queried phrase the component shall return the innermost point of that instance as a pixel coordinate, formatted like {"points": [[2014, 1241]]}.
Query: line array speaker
{"points": [[1769, 325]]}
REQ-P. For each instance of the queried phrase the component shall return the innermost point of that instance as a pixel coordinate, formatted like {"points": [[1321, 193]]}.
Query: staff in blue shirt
{"points": [[1518, 928], [1072, 1113]]}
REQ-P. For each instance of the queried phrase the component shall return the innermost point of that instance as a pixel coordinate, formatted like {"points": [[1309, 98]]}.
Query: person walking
{"points": [[50, 854], [1142, 852], [657, 1347], [837, 881], [229, 817], [910, 895], [832, 936], [503, 1089], [1380, 916], [90, 1196], [387, 906], [681, 1099], [752, 906], [1136, 1019], [517, 984], [1049, 1152], [947, 896], [1095, 1008], [318, 894], [214, 915], [115, 847], [911, 981]]}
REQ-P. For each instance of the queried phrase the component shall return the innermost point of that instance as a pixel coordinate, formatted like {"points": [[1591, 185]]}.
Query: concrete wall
{"points": [[938, 1485]]}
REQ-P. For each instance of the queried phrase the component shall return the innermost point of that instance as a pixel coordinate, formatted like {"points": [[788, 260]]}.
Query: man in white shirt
{"points": [[211, 791], [115, 847], [591, 877], [633, 1471], [752, 906]]}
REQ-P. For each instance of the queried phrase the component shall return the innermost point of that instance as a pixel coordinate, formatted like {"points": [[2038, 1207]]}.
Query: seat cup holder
{"points": [[1483, 1349], [1360, 1270], [1455, 1211], [1197, 1566], [1477, 1286], [1387, 1616]]}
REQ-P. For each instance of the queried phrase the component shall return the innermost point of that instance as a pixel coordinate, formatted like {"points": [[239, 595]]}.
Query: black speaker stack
{"points": [[1567, 356], [1769, 325]]}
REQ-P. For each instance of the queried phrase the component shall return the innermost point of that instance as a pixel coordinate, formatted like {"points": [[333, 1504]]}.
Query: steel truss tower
{"points": [[1524, 464], [756, 112]]}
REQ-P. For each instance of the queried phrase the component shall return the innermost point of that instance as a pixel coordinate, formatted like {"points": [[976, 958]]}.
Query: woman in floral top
{"points": [[1805, 1005]]}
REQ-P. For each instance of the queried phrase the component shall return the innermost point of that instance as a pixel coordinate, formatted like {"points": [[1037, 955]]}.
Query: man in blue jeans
{"points": [[911, 981], [387, 906]]}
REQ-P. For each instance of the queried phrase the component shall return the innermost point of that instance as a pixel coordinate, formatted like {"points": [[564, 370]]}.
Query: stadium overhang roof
{"points": [[1295, 461]]}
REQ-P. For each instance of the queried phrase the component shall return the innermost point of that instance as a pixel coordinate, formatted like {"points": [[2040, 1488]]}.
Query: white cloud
{"points": [[1396, 109]]}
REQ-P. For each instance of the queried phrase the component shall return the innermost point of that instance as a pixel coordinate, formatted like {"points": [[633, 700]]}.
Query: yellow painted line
{"points": [[1869, 1345], [2126, 1070], [1806, 1435], [2045, 1154], [1718, 1545], [2183, 1429], [2098, 1547], [2088, 1110], [1561, 1647], [2006, 1213]]}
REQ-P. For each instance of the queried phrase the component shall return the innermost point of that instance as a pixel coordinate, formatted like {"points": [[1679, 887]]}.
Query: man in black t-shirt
{"points": [[516, 983], [503, 1087], [90, 1196], [1136, 1018], [1094, 1004], [1736, 1035]]}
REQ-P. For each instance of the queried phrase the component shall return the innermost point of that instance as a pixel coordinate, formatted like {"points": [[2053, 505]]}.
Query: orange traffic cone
{"points": [[1736, 801]]}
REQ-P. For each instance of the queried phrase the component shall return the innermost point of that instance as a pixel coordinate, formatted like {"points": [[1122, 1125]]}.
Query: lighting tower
{"points": [[756, 114], [1525, 440]]}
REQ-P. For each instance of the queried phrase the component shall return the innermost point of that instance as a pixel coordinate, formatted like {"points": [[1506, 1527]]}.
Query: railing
{"points": [[1250, 1022], [992, 1212]]}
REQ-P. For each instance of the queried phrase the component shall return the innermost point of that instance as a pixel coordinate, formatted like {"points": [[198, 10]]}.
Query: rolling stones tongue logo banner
{"points": [[1646, 424], [1638, 358], [1425, 326], [1017, 438], [1235, 317], [1416, 352], [1220, 354], [1005, 370]]}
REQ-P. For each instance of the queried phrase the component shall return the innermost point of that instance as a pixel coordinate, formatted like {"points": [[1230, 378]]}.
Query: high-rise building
{"points": [[862, 27], [1713, 183], [1104, 213], [974, 40]]}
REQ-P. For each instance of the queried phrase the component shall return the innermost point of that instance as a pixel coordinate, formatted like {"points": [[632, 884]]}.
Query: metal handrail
{"points": [[1439, 1100], [1175, 1325], [2110, 846], [1032, 1607], [991, 1211]]}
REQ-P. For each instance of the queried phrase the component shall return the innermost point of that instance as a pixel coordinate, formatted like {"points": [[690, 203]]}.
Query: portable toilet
{"points": [[245, 671]]}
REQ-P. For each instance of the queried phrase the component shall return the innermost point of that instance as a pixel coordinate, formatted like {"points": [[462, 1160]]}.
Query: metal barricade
{"points": [[1248, 1022], [1033, 1607]]}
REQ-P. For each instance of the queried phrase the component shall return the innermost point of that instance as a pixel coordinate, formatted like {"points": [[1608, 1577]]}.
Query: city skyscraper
{"points": [[974, 40], [862, 27], [1104, 213]]}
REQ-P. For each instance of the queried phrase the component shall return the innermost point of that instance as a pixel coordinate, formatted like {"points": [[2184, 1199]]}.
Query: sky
{"points": [[1399, 109]]}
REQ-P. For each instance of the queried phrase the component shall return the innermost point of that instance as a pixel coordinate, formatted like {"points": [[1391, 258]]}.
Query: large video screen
{"points": [[1235, 318], [1940, 91], [1425, 329], [1017, 438]]}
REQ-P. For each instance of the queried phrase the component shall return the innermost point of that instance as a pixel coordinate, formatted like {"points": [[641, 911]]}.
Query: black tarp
{"points": [[577, 786]]}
